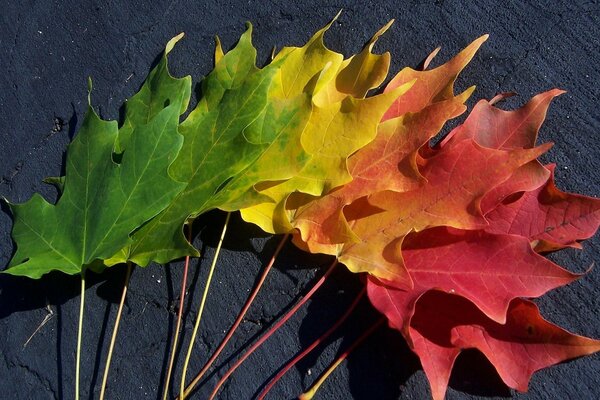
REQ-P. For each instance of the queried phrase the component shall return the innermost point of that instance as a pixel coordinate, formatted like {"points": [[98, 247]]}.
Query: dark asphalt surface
{"points": [[49, 48]]}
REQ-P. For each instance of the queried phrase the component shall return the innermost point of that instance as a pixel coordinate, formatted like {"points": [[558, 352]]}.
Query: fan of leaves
{"points": [[306, 108], [450, 236]]}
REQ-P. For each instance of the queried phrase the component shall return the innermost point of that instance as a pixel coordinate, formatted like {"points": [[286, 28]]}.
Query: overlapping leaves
{"points": [[449, 235], [342, 121], [488, 267], [223, 135], [248, 122]]}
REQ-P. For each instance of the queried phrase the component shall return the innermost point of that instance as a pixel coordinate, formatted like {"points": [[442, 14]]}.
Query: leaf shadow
{"points": [[329, 302], [99, 353], [246, 237], [59, 360], [372, 361], [291, 263], [72, 124], [19, 294], [384, 361], [475, 375], [123, 108], [240, 234]]}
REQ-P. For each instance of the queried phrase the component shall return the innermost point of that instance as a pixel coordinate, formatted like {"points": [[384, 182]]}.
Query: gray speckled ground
{"points": [[47, 50]]}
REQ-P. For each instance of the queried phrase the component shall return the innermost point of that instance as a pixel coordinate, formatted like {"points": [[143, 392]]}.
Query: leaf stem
{"points": [[239, 318], [179, 317], [201, 309], [272, 330], [314, 344], [310, 393], [115, 329], [79, 334]]}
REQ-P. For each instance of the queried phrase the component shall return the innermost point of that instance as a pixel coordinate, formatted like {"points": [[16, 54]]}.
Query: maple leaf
{"points": [[548, 217], [218, 145], [278, 129], [324, 227], [488, 269], [445, 324], [279, 120], [545, 215], [499, 129], [495, 128], [387, 163], [392, 156], [342, 121], [106, 196]]}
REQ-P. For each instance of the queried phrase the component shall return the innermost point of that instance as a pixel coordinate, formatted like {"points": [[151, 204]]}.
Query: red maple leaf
{"points": [[445, 324]]}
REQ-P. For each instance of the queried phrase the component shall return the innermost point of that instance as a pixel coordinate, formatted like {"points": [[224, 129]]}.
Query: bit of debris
{"points": [[58, 124], [48, 317]]}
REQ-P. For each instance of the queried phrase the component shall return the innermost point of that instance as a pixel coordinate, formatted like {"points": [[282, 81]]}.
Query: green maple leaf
{"points": [[228, 139], [115, 181]]}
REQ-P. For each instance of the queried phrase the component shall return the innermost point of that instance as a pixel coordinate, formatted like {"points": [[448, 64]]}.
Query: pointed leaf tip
{"points": [[329, 24], [383, 29], [171, 43], [430, 57], [218, 50], [501, 96], [247, 35], [90, 87], [464, 96], [336, 16]]}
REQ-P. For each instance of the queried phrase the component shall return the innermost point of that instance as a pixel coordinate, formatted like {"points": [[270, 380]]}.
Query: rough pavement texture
{"points": [[48, 49]]}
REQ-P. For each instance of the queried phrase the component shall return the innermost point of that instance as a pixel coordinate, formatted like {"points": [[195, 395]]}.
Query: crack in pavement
{"points": [[41, 379]]}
